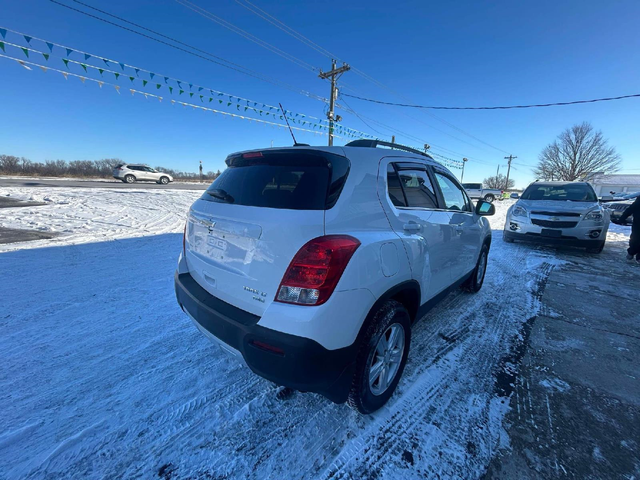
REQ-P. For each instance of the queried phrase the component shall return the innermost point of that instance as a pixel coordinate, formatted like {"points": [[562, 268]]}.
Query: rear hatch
{"points": [[246, 228]]}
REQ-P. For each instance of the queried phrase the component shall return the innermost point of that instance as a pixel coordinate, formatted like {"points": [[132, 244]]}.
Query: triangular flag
{"points": [[87, 56], [69, 51], [50, 45], [137, 70], [151, 75], [82, 79], [190, 85], [66, 62], [228, 104], [122, 66], [66, 75], [210, 99], [144, 83], [44, 69], [246, 108], [2, 47], [117, 87], [106, 62], [26, 52], [3, 32], [83, 66], [170, 89], [24, 64], [165, 79], [101, 71], [46, 56], [27, 38], [116, 74], [237, 107], [220, 101], [181, 92], [179, 84], [200, 89], [220, 94], [100, 83], [158, 86], [211, 91], [202, 98], [191, 94], [132, 79]]}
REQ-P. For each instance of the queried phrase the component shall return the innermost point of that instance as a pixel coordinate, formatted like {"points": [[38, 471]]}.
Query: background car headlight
{"points": [[595, 215], [519, 211]]}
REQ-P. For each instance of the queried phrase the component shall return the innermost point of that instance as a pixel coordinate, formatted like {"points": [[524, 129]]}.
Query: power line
{"points": [[504, 107], [218, 60], [298, 36], [243, 33]]}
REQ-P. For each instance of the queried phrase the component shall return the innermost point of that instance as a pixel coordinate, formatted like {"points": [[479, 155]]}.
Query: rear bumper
{"points": [[303, 364], [564, 240]]}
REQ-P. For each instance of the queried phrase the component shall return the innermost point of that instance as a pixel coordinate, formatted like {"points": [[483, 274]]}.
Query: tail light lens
{"points": [[316, 269]]}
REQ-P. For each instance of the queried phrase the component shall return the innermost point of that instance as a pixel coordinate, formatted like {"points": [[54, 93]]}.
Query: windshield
{"points": [[572, 192]]}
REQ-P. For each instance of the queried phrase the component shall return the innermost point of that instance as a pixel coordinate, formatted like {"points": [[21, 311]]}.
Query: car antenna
{"points": [[295, 144]]}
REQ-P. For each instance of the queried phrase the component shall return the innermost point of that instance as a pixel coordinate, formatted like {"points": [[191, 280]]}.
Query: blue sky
{"points": [[444, 53]]}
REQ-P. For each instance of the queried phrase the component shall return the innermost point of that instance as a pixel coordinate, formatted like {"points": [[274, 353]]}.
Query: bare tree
{"points": [[499, 181], [578, 152]]}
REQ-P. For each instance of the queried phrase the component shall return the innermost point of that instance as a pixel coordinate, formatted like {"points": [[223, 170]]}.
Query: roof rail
{"points": [[376, 143]]}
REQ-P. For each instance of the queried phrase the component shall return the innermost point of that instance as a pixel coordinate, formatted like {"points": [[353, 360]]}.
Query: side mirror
{"points": [[514, 195], [485, 208]]}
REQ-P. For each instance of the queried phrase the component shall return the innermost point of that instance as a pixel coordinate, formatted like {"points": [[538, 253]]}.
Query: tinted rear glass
{"points": [[574, 192], [295, 180]]}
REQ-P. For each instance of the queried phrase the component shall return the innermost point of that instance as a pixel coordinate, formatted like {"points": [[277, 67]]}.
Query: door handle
{"points": [[411, 227], [459, 229]]}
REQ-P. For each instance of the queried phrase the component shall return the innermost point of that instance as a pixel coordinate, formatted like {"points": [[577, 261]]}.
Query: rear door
{"points": [[465, 225], [412, 207], [246, 228]]}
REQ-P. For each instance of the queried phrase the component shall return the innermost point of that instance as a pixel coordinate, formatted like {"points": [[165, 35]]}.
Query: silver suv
{"points": [[132, 173], [561, 213]]}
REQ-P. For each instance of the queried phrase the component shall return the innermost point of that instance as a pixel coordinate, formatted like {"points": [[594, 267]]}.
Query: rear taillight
{"points": [[316, 269]]}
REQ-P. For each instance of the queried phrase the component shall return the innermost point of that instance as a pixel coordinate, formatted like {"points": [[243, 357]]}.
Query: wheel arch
{"points": [[407, 293]]}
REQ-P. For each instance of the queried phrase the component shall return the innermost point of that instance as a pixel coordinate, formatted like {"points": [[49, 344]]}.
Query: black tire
{"points": [[597, 249], [476, 280], [164, 180], [361, 396], [129, 179], [489, 197]]}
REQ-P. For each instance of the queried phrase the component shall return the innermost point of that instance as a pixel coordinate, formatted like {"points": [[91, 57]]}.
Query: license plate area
{"points": [[216, 242], [547, 232]]}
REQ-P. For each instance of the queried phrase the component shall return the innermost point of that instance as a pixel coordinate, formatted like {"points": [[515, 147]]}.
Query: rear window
{"points": [[573, 192], [294, 180], [472, 186]]}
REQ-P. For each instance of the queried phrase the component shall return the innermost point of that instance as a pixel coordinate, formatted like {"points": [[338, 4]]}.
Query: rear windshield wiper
{"points": [[221, 195]]}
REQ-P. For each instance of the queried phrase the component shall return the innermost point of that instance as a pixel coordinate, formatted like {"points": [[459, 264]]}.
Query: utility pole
{"points": [[393, 139], [333, 74], [510, 157], [464, 161]]}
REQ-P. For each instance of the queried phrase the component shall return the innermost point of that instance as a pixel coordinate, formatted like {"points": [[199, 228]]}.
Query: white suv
{"points": [[312, 263], [133, 173]]}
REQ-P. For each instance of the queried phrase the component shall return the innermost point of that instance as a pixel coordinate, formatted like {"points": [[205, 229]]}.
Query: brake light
{"points": [[252, 155], [316, 269]]}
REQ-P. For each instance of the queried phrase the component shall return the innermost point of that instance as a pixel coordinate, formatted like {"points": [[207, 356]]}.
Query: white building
{"points": [[617, 183]]}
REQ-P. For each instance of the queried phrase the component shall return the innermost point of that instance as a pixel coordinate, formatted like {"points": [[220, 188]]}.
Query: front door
{"points": [[465, 224]]}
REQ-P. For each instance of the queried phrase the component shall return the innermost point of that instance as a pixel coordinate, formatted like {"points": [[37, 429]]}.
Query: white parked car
{"points": [[561, 213], [477, 191], [312, 263], [130, 173]]}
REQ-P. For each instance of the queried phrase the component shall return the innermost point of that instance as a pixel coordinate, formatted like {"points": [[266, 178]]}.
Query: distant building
{"points": [[617, 183]]}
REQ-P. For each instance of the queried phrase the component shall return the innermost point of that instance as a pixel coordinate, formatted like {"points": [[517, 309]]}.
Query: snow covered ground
{"points": [[104, 377]]}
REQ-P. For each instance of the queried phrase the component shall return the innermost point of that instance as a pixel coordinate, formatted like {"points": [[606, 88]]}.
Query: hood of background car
{"points": [[557, 206]]}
